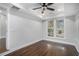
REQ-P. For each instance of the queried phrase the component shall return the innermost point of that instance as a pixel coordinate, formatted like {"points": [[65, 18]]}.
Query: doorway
{"points": [[3, 29]]}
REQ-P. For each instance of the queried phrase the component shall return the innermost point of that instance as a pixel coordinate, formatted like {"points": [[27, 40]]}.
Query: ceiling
{"points": [[71, 9], [61, 9], [4, 7]]}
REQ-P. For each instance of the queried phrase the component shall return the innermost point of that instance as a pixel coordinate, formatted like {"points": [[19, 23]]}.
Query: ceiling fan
{"points": [[44, 6]]}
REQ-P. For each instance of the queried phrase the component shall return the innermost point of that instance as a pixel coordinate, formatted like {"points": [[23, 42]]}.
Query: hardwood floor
{"points": [[46, 48], [3, 45]]}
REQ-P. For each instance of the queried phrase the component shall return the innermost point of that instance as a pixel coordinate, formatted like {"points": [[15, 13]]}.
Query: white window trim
{"points": [[54, 32]]}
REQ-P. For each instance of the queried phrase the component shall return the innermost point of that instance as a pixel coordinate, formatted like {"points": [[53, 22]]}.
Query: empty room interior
{"points": [[39, 29]]}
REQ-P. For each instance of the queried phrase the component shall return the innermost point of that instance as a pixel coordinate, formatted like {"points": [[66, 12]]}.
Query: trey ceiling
{"points": [[47, 13], [61, 9]]}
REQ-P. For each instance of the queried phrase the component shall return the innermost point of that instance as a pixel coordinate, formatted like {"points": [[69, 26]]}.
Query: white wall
{"points": [[69, 28], [44, 29], [3, 22], [77, 27], [22, 29], [3, 26], [77, 31]]}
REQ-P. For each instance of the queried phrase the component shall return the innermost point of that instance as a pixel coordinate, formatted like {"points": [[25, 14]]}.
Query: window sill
{"points": [[54, 37]]}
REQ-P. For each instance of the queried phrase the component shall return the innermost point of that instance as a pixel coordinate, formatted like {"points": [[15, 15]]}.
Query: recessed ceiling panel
{"points": [[61, 9]]}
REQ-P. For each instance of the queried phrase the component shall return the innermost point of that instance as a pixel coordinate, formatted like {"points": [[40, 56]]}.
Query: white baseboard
{"points": [[7, 52], [60, 41]]}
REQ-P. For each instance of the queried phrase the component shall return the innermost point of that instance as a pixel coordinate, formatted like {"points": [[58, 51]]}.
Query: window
{"points": [[51, 28], [59, 28], [56, 28]]}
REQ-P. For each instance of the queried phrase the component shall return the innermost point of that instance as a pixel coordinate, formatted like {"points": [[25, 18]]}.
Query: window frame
{"points": [[55, 29]]}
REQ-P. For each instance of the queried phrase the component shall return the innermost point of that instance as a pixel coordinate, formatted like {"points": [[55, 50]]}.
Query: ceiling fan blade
{"points": [[50, 4], [50, 9], [44, 3], [37, 8]]}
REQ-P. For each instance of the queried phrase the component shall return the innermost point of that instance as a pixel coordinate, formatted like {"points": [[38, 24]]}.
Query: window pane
{"points": [[51, 28], [59, 28]]}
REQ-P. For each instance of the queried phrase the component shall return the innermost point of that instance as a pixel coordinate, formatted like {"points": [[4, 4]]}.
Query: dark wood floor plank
{"points": [[46, 48], [2, 45]]}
